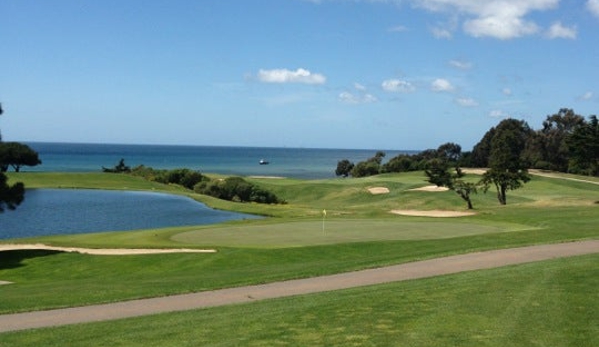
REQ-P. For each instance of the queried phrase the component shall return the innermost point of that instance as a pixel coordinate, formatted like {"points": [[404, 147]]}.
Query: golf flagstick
{"points": [[324, 216]]}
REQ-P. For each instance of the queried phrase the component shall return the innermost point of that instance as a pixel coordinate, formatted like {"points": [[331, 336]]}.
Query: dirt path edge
{"points": [[402, 272]]}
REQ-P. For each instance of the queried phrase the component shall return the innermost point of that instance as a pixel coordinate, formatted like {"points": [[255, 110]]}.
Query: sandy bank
{"points": [[102, 251], [433, 213], [430, 189]]}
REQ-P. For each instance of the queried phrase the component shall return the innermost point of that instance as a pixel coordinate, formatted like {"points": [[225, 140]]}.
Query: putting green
{"points": [[311, 233]]}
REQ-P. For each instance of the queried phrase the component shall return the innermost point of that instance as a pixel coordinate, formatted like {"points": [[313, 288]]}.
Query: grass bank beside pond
{"points": [[359, 233]]}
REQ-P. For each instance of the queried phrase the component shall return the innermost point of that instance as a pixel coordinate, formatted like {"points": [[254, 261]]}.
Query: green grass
{"points": [[550, 303], [335, 231]]}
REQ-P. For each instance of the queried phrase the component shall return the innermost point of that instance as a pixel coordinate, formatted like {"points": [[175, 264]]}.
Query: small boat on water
{"points": [[263, 162]]}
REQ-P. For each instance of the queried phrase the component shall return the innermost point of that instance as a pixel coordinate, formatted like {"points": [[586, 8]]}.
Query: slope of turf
{"points": [[360, 234], [551, 303]]}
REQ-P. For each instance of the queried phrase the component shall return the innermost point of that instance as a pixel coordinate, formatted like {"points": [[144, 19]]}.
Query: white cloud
{"points": [[466, 102], [288, 76], [442, 33], [395, 85], [501, 19], [441, 85], [500, 27], [359, 87], [357, 99], [460, 64], [398, 29], [593, 6], [586, 96], [506, 91], [558, 31], [498, 114]]}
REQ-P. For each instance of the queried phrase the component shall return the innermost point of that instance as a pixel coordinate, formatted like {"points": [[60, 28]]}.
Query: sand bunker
{"points": [[430, 189], [433, 213], [102, 251], [474, 171], [378, 190]]}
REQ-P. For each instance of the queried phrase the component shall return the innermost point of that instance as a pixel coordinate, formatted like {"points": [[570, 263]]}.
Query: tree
{"points": [[378, 157], [438, 174], [507, 171], [584, 146], [118, 168], [344, 168], [548, 148], [16, 154], [370, 167], [464, 189], [450, 151], [10, 196], [365, 168], [504, 181], [236, 189], [400, 163], [482, 150]]}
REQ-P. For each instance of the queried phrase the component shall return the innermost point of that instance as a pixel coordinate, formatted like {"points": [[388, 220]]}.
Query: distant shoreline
{"points": [[373, 150], [300, 163]]}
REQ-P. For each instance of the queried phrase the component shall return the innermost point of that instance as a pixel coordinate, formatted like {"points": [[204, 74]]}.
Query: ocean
{"points": [[304, 163], [50, 212]]}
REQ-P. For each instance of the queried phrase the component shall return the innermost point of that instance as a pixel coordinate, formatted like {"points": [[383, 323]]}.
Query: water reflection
{"points": [[66, 211]]}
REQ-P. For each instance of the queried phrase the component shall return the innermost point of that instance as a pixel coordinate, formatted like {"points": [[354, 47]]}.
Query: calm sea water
{"points": [[305, 163], [65, 211]]}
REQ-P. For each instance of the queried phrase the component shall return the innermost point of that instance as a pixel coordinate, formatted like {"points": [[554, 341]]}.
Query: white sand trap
{"points": [[474, 171], [378, 190], [102, 251], [433, 213], [430, 189]]}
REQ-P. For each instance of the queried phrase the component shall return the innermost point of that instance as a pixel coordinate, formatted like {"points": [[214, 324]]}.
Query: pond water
{"points": [[66, 211]]}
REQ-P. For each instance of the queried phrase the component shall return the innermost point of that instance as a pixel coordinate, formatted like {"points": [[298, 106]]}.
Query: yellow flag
{"points": [[324, 213]]}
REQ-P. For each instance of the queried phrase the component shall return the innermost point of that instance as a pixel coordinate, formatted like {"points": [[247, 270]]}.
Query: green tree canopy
{"points": [[507, 171], [118, 168], [344, 168], [16, 154], [438, 173], [547, 148], [10, 196], [369, 167], [584, 147], [450, 151]]}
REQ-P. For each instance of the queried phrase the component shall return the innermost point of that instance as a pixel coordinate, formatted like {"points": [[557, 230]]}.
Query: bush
{"points": [[236, 189], [184, 177], [400, 163]]}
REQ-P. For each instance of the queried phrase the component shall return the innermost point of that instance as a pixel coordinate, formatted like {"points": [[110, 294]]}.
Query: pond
{"points": [[68, 211]]}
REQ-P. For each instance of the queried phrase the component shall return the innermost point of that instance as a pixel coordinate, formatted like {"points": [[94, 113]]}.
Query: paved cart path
{"points": [[414, 270]]}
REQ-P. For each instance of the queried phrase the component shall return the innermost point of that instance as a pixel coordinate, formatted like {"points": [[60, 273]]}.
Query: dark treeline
{"points": [[16, 155], [567, 142], [231, 188]]}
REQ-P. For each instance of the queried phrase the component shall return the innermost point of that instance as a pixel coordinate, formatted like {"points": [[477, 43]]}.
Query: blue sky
{"points": [[395, 74]]}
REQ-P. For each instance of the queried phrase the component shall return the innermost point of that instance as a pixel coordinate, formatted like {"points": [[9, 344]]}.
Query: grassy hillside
{"points": [[549, 303], [359, 233]]}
